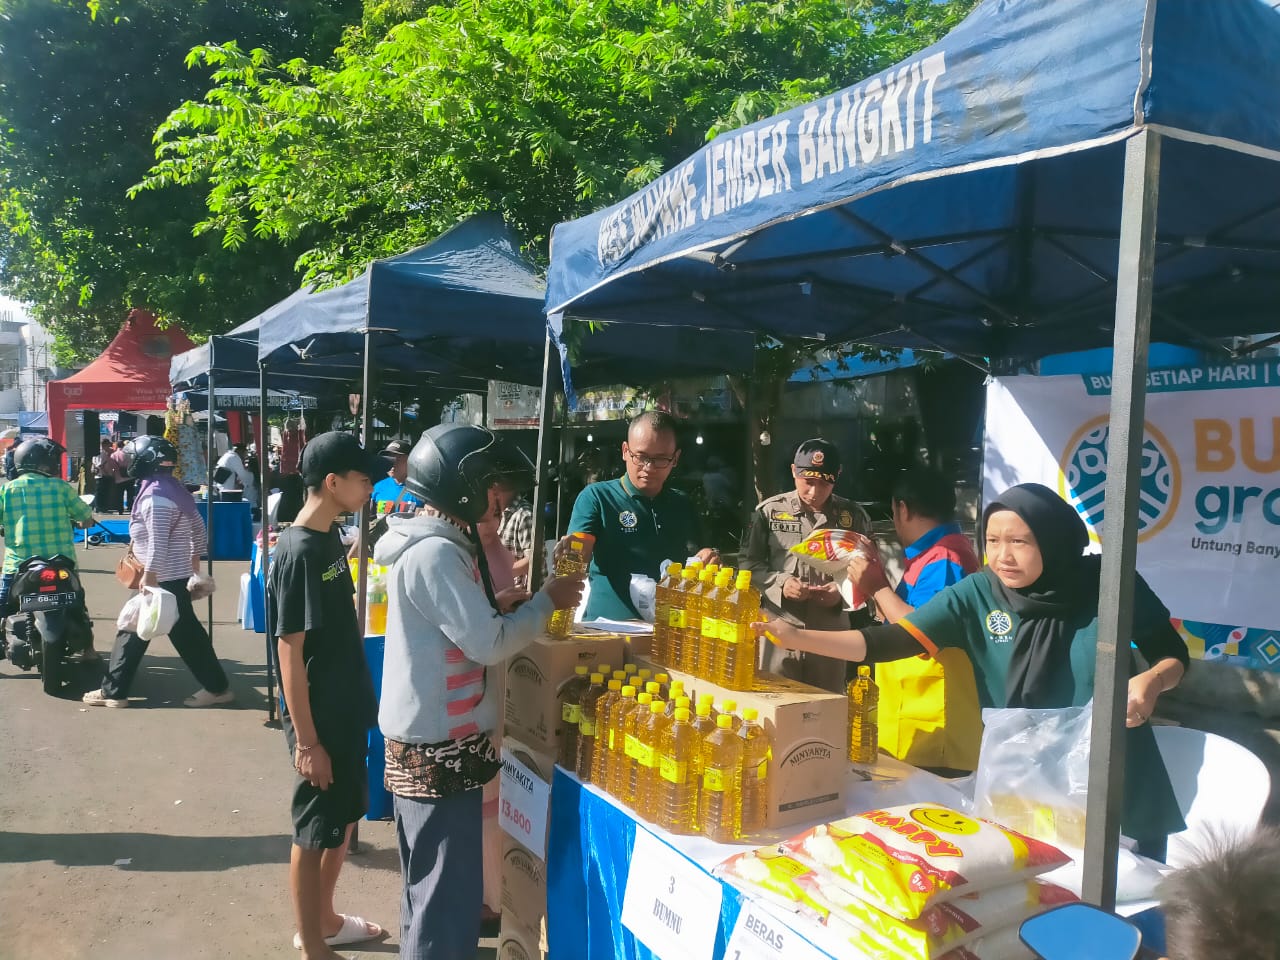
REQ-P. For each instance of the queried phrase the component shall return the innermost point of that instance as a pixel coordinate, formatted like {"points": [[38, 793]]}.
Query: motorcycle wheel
{"points": [[52, 664]]}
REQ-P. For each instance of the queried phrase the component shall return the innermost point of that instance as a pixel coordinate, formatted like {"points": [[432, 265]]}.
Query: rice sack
{"points": [[907, 858], [829, 551], [778, 878]]}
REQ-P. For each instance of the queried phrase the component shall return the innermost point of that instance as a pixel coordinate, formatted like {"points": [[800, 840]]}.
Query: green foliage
{"points": [[82, 88]]}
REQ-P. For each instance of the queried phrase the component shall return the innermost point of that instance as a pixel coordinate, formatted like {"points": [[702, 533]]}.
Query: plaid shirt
{"points": [[516, 529], [37, 512]]}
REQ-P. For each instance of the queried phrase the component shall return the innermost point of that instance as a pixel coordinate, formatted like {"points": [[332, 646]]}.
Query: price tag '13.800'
{"points": [[523, 800], [671, 905]]}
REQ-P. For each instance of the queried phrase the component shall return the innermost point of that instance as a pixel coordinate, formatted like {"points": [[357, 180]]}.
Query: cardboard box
{"points": [[537, 672], [524, 885], [517, 942], [809, 731]]}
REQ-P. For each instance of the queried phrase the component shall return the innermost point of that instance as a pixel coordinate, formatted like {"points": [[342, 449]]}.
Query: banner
{"points": [[513, 405], [1209, 507]]}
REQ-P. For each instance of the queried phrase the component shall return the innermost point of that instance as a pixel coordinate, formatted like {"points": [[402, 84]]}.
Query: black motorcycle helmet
{"points": [[143, 456], [452, 466], [38, 455]]}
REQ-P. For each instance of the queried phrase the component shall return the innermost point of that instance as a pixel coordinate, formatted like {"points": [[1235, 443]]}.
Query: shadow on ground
{"points": [[146, 851]]}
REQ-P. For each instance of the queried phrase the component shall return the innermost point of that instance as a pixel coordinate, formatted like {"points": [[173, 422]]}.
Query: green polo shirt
{"points": [[970, 616], [634, 534]]}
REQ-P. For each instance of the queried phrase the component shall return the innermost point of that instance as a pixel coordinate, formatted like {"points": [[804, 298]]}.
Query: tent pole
{"points": [[264, 552], [208, 490], [550, 356], [366, 433], [1135, 273]]}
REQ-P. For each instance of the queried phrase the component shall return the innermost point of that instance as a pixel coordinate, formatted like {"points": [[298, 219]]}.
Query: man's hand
{"points": [[795, 589], [314, 766], [827, 595], [866, 571], [511, 598], [565, 592], [777, 632], [708, 555]]}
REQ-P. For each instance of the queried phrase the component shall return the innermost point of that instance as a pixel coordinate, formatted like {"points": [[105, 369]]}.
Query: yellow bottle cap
{"points": [[657, 706], [619, 675], [677, 687], [682, 702], [581, 671], [864, 671], [750, 714], [644, 698], [604, 668], [729, 706], [690, 573], [615, 684], [705, 576], [674, 569], [597, 678], [645, 674], [628, 691], [706, 698], [663, 677], [629, 669], [682, 714], [653, 686], [724, 721], [724, 578], [744, 579], [704, 709]]}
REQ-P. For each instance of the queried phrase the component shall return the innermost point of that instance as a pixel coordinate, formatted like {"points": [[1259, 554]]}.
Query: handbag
{"points": [[129, 570]]}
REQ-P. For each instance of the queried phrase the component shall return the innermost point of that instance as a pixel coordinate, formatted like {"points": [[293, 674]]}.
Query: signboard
{"points": [[759, 935], [513, 406], [671, 904], [523, 801], [1209, 510]]}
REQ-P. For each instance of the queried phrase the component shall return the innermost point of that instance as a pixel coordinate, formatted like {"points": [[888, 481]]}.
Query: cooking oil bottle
{"points": [[654, 689], [662, 612], [864, 702], [570, 697], [757, 752], [678, 796], [696, 606], [729, 708], [651, 732], [677, 703], [600, 755], [736, 665], [704, 725], [664, 683], [673, 692], [680, 597], [720, 612], [572, 563], [614, 737], [720, 804], [587, 726], [629, 785]]}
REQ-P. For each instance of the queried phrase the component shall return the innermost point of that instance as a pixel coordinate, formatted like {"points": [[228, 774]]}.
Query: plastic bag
{"points": [[200, 586], [643, 596], [158, 613], [128, 617], [1033, 771], [829, 551]]}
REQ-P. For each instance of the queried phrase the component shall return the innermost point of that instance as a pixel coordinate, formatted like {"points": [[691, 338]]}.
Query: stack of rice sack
{"points": [[916, 882]]}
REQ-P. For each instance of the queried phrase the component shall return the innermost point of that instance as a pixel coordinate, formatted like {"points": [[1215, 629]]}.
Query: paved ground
{"points": [[158, 832]]}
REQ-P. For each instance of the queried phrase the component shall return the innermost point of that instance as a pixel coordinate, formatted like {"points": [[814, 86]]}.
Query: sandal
{"points": [[354, 930]]}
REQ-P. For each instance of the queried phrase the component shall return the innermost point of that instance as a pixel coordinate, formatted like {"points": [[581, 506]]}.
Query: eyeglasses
{"points": [[644, 460]]}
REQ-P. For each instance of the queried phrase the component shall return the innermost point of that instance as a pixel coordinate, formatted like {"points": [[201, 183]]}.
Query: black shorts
{"points": [[321, 817]]}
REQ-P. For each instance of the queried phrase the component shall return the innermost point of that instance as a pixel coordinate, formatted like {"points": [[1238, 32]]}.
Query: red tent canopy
{"points": [[131, 374]]}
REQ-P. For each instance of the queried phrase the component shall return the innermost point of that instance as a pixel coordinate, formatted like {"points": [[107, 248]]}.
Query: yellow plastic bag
{"points": [[929, 713]]}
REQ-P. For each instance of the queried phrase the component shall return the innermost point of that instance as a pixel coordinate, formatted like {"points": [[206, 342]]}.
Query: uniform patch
{"points": [[628, 519], [817, 458], [999, 624], [785, 526], [782, 515], [846, 519]]}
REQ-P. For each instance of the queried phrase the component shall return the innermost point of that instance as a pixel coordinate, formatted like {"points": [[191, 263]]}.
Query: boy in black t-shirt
{"points": [[329, 700]]}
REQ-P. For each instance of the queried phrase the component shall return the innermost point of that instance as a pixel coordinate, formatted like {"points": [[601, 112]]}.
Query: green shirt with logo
{"points": [[634, 534]]}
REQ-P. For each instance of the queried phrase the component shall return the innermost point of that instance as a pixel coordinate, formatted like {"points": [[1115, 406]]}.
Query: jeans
{"points": [[188, 637]]}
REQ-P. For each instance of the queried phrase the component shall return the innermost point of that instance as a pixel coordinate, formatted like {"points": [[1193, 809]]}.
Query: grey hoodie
{"points": [[442, 633]]}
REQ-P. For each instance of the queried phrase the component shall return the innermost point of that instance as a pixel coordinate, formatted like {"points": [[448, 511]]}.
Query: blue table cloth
{"points": [[231, 534]]}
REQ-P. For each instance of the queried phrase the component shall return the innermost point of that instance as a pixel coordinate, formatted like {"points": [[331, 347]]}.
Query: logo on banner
{"points": [[1082, 477]]}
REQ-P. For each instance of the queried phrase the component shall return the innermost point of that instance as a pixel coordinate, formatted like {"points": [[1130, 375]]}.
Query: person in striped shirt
{"points": [[168, 538]]}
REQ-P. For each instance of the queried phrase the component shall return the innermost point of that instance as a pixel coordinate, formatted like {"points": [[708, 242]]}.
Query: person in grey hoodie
{"points": [[438, 705]]}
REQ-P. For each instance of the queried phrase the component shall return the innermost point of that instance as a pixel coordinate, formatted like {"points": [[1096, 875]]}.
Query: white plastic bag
{"points": [[643, 596], [158, 614], [128, 617], [200, 586], [1033, 771]]}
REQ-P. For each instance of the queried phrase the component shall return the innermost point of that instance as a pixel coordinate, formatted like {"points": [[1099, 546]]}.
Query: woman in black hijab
{"points": [[1029, 623]]}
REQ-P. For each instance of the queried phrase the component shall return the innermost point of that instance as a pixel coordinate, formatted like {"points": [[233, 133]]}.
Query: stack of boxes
{"points": [[532, 730]]}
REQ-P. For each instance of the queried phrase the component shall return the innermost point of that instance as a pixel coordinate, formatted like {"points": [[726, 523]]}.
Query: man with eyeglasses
{"points": [[786, 582], [636, 520]]}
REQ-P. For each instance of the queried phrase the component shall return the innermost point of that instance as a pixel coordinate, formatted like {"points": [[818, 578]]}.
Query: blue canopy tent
{"points": [[996, 195]]}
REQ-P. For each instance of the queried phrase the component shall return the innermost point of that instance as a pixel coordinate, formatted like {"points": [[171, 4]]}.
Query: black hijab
{"points": [[1050, 610]]}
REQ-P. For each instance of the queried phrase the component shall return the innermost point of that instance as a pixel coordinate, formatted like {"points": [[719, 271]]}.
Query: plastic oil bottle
{"points": [[629, 778], [729, 708], [677, 703], [614, 737], [757, 752], [662, 612], [736, 668], [680, 614], [587, 726], [704, 725], [720, 806], [600, 755], [677, 793], [651, 732], [673, 692], [720, 610], [572, 563], [864, 703], [696, 607], [664, 683], [570, 697]]}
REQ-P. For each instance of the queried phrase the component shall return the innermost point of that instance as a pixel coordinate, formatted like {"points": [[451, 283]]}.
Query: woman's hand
{"points": [[1144, 690], [777, 632], [314, 766]]}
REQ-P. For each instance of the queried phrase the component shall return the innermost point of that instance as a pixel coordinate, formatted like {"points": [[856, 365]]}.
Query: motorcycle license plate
{"points": [[31, 602]]}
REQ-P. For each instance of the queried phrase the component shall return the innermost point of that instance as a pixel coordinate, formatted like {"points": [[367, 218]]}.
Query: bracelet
{"points": [[301, 749]]}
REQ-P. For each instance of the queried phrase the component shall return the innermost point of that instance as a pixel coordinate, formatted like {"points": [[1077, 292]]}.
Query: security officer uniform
{"points": [[777, 525]]}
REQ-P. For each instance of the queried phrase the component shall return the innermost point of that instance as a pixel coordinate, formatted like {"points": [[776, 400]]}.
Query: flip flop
{"points": [[354, 930]]}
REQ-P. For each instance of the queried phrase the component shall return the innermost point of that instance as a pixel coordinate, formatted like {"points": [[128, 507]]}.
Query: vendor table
{"points": [[589, 852], [231, 532]]}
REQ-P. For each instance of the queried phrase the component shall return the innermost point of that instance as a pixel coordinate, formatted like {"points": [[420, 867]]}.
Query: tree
{"points": [[82, 88]]}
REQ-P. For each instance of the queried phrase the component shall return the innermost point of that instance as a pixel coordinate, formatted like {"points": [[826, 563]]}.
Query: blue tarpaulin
{"points": [[968, 198]]}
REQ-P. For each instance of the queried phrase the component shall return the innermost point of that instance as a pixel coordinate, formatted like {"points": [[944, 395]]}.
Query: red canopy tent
{"points": [[131, 374]]}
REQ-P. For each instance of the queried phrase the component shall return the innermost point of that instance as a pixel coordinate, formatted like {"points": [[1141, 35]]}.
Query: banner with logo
{"points": [[1209, 507]]}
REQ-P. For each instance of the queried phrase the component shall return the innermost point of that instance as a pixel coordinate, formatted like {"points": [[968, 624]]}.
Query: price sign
{"points": [[759, 935], [523, 801], [671, 905]]}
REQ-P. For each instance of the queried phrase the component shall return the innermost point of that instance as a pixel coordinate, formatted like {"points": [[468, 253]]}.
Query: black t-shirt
{"points": [[311, 592]]}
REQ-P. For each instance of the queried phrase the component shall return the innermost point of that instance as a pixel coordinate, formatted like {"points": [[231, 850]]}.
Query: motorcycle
{"points": [[47, 621]]}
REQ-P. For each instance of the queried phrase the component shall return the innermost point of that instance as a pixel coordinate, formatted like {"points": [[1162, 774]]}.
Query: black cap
{"points": [[336, 452], [818, 459], [398, 448]]}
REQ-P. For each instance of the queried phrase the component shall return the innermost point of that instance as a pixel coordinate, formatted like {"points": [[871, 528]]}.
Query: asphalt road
{"points": [[159, 831]]}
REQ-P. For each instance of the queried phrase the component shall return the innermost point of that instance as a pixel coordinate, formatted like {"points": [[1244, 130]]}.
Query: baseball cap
{"points": [[398, 448], [337, 452], [818, 459]]}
